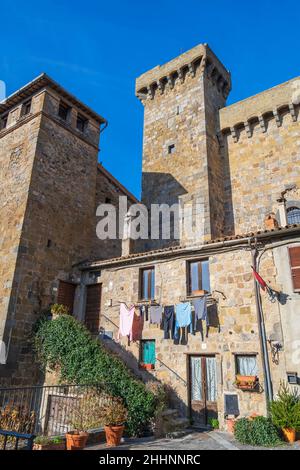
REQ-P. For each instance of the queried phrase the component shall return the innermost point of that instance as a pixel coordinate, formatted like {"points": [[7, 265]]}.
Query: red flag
{"points": [[259, 279]]}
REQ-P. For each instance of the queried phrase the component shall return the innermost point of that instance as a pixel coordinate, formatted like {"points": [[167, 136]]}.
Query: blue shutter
{"points": [[148, 352]]}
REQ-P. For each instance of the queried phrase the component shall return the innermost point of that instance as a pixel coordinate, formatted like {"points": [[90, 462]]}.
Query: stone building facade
{"points": [[51, 184], [236, 167], [242, 163]]}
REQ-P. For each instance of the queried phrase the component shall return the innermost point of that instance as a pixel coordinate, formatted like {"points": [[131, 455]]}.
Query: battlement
{"points": [[200, 59], [260, 108]]}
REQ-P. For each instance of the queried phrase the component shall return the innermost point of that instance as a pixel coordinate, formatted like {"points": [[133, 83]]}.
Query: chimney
{"points": [[127, 241]]}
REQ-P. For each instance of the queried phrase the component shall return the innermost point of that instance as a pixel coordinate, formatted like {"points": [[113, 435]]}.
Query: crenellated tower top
{"points": [[198, 60]]}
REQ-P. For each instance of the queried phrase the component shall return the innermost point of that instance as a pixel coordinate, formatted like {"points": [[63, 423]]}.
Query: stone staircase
{"points": [[171, 424]]}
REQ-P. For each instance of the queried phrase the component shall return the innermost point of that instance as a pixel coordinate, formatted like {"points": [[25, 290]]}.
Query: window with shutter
{"points": [[66, 294], [147, 352], [294, 253]]}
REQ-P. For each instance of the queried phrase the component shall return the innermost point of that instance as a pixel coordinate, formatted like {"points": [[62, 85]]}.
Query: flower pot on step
{"points": [[230, 423], [113, 435], [289, 434], [61, 446], [76, 441], [146, 366]]}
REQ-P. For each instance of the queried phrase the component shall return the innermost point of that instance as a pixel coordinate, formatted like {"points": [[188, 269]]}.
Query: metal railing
{"points": [[11, 440], [42, 410]]}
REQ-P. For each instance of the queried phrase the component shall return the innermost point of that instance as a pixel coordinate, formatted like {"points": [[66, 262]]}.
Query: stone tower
{"points": [[181, 158], [48, 163]]}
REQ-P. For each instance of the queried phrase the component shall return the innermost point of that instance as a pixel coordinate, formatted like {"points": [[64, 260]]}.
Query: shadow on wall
{"points": [[229, 222], [160, 188], [174, 401]]}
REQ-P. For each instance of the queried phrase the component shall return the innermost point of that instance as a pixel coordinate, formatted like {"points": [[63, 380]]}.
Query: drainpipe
{"points": [[262, 332]]}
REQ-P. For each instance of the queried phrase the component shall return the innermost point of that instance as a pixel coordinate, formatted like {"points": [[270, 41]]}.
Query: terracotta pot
{"points": [[246, 382], [76, 441], [199, 292], [289, 434], [230, 425], [113, 435], [61, 446], [146, 366]]}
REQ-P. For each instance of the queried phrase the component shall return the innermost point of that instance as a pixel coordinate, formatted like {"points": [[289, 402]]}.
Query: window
{"points": [[294, 253], [81, 123], [108, 200], [246, 365], [171, 149], [198, 276], [63, 111], [147, 284], [3, 122], [293, 215], [26, 108], [147, 352]]}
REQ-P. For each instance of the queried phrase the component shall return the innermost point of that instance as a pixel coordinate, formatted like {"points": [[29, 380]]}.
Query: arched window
{"points": [[293, 215]]}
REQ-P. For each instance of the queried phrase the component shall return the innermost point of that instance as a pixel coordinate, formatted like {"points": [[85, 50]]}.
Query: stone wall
{"points": [[17, 151], [261, 145], [57, 229], [108, 191], [233, 330], [181, 162]]}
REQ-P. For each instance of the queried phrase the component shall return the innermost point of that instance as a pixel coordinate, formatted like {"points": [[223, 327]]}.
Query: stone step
{"points": [[180, 423], [169, 413]]}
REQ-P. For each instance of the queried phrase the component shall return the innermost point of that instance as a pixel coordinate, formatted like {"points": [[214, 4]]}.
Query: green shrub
{"points": [[214, 423], [285, 411], [64, 344], [258, 431]]}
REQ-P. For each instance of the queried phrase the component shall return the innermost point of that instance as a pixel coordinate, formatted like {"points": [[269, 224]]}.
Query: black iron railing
{"points": [[41, 410], [16, 440]]}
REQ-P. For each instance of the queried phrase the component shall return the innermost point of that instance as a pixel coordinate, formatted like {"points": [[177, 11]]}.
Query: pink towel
{"points": [[126, 321]]}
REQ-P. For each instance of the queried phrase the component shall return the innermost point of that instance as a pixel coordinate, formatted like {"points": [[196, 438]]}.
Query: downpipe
{"points": [[262, 333]]}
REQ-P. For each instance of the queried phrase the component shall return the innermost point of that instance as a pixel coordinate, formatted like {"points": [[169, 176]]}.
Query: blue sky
{"points": [[96, 49]]}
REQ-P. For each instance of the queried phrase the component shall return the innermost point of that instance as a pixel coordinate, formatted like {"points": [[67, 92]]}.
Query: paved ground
{"points": [[206, 440]]}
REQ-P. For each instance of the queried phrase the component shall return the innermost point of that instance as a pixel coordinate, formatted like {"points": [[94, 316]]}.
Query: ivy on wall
{"points": [[66, 345]]}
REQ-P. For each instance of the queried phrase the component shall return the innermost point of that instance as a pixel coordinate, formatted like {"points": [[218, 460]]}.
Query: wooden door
{"points": [[203, 389], [66, 294], [93, 306]]}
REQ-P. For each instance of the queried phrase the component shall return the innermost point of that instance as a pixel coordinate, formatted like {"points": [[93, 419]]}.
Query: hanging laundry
{"points": [[144, 311], [200, 306], [169, 321], [126, 321], [181, 335], [156, 314], [183, 320], [137, 327]]}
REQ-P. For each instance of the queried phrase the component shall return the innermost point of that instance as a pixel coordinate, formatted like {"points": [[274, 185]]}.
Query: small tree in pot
{"points": [[113, 416], [285, 412], [85, 416]]}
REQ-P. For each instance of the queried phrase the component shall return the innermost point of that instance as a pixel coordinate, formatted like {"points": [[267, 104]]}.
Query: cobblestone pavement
{"points": [[206, 440]]}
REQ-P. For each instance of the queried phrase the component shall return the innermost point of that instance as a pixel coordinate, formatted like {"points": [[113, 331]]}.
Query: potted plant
{"points": [[49, 443], [230, 423], [145, 366], [85, 416], [214, 423], [246, 382], [113, 416], [285, 412], [58, 309]]}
